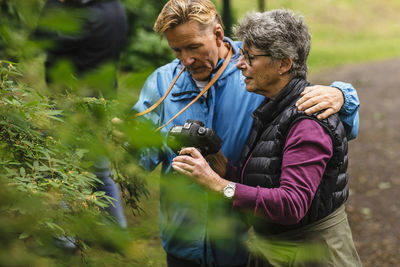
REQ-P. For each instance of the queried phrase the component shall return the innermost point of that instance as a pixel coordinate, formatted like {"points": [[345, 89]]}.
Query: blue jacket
{"points": [[194, 224]]}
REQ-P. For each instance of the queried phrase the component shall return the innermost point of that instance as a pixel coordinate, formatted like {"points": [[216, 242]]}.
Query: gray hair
{"points": [[279, 33]]}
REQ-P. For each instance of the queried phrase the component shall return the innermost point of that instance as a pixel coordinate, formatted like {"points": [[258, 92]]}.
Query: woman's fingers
{"points": [[192, 151]]}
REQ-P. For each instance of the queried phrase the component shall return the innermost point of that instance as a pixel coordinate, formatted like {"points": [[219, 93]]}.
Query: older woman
{"points": [[293, 172]]}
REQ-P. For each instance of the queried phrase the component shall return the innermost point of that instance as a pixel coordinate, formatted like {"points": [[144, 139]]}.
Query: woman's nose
{"points": [[241, 64]]}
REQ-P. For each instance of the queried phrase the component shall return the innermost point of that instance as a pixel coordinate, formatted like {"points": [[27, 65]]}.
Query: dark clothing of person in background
{"points": [[103, 31]]}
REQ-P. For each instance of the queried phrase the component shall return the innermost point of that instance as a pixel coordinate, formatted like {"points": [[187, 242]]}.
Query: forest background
{"points": [[45, 154]]}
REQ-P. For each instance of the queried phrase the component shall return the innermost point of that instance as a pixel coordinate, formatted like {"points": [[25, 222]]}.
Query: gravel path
{"points": [[374, 160]]}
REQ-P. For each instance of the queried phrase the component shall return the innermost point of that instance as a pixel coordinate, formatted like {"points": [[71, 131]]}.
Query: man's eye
{"points": [[251, 57]]}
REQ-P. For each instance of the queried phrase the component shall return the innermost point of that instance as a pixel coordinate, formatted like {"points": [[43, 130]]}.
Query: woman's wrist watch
{"points": [[229, 190]]}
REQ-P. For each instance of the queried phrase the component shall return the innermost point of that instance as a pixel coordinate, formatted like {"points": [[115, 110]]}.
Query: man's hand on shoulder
{"points": [[319, 97]]}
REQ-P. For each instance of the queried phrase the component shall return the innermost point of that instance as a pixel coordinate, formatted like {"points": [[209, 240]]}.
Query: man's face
{"points": [[197, 49]]}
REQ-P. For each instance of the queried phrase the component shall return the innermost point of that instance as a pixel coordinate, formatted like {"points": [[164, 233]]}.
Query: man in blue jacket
{"points": [[196, 229]]}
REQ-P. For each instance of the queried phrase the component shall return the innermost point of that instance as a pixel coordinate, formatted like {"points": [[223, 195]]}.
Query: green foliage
{"points": [[49, 139], [343, 32], [31, 157], [48, 186], [144, 48], [47, 149], [279, 251], [17, 19], [61, 20]]}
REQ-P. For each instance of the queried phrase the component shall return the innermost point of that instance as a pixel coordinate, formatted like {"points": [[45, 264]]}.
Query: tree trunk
{"points": [[227, 17], [261, 5]]}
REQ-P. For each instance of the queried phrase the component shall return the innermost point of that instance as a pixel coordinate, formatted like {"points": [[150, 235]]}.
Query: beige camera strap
{"points": [[162, 98], [208, 86]]}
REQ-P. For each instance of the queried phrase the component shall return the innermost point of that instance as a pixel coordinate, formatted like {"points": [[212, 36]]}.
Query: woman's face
{"points": [[262, 74]]}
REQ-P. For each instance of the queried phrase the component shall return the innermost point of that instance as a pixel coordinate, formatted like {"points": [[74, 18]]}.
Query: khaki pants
{"points": [[327, 242]]}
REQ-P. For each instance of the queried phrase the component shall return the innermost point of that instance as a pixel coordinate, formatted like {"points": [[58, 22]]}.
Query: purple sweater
{"points": [[307, 150]]}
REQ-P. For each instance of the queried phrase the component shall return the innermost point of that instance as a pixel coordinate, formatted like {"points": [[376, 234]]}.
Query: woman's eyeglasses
{"points": [[249, 57]]}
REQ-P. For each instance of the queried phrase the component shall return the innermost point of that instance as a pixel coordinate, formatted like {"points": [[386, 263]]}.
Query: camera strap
{"points": [[208, 86]]}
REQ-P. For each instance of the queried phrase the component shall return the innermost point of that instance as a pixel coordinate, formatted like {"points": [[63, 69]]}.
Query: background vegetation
{"points": [[45, 153], [343, 31]]}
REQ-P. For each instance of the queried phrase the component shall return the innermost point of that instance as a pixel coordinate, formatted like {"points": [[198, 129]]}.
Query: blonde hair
{"points": [[177, 12]]}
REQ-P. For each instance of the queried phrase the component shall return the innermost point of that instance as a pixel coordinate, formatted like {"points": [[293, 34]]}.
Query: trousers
{"points": [[102, 170]]}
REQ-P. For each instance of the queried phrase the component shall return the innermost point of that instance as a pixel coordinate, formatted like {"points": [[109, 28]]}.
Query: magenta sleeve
{"points": [[307, 150]]}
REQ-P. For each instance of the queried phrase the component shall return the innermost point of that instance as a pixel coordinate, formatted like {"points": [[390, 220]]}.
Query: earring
{"points": [[280, 73]]}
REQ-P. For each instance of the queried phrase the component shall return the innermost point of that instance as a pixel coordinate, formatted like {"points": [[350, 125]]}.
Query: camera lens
{"points": [[201, 131]]}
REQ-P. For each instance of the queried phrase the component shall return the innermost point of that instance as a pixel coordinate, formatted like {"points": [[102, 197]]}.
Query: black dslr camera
{"points": [[194, 134]]}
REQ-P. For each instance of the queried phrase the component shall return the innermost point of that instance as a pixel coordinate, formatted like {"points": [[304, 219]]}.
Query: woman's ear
{"points": [[219, 34], [286, 65]]}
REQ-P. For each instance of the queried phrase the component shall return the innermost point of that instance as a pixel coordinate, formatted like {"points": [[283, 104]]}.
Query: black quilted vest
{"points": [[272, 122]]}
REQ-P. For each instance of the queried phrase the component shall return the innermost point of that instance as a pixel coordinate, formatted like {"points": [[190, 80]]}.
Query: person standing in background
{"points": [[96, 45]]}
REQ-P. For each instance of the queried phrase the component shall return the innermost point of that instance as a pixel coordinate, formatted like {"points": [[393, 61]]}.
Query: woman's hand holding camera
{"points": [[190, 162]]}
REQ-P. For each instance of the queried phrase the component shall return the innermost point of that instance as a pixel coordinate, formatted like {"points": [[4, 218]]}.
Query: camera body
{"points": [[194, 134]]}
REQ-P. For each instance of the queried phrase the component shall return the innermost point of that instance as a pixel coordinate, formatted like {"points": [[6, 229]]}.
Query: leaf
{"points": [[99, 193], [366, 211], [39, 94], [22, 171], [60, 21], [56, 118], [11, 172], [384, 185], [81, 152], [43, 168], [27, 143], [32, 103], [24, 235], [54, 226], [35, 164], [54, 112]]}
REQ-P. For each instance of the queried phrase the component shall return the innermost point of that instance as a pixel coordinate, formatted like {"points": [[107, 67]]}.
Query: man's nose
{"points": [[187, 59]]}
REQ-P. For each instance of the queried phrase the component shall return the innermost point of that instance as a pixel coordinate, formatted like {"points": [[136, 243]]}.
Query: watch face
{"points": [[229, 192]]}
